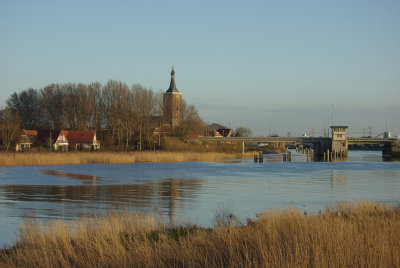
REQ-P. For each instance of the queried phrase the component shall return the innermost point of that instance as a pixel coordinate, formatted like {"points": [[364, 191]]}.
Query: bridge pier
{"points": [[321, 148], [391, 150], [259, 158]]}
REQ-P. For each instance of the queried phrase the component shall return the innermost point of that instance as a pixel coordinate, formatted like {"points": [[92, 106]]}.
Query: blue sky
{"points": [[274, 66]]}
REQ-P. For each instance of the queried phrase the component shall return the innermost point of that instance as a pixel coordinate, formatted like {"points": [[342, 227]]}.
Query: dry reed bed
{"points": [[59, 158], [350, 235]]}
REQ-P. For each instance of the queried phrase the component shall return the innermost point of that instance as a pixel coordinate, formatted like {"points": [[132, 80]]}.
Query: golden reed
{"points": [[60, 158], [363, 234]]}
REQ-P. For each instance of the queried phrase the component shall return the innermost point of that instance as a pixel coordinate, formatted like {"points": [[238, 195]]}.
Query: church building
{"points": [[172, 104]]}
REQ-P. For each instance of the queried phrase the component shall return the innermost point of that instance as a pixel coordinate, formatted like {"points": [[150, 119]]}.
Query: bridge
{"points": [[337, 143], [300, 139]]}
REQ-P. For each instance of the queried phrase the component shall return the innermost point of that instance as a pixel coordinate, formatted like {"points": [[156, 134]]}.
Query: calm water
{"points": [[191, 190]]}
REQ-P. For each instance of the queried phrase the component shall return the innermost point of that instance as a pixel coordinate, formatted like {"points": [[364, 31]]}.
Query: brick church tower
{"points": [[172, 104]]}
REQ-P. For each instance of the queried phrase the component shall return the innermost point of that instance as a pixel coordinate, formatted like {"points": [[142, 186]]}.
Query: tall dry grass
{"points": [[362, 234], [205, 146], [61, 158]]}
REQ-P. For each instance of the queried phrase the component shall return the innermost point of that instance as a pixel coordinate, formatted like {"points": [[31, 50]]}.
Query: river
{"points": [[191, 191]]}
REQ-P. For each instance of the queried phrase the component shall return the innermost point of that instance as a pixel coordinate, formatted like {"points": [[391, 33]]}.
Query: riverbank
{"points": [[364, 234], [67, 158]]}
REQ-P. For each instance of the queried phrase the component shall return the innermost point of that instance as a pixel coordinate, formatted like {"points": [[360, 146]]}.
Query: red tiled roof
{"points": [[226, 132], [31, 133], [78, 136], [217, 134]]}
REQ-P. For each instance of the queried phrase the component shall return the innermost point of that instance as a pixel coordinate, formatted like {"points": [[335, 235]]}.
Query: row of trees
{"points": [[123, 116]]}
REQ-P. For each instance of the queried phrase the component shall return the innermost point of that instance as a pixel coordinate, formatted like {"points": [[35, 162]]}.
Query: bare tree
{"points": [[191, 121], [97, 106], [144, 109], [125, 115], [111, 102], [26, 105], [9, 128], [243, 132], [119, 111], [51, 103], [70, 103], [86, 107]]}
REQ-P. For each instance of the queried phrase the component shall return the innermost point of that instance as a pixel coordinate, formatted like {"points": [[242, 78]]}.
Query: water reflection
{"points": [[166, 195], [391, 158], [338, 179], [273, 158], [86, 179], [192, 190], [234, 161]]}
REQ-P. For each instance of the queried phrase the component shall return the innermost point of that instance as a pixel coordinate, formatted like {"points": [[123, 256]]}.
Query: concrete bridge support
{"points": [[321, 146], [391, 150]]}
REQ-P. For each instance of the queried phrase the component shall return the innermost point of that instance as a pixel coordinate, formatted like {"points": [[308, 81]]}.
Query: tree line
{"points": [[124, 117]]}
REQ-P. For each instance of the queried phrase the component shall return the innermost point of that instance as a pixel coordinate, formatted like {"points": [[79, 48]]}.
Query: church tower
{"points": [[172, 104]]}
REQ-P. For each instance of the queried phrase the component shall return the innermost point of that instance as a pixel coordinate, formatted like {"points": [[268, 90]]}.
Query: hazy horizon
{"points": [[275, 67]]}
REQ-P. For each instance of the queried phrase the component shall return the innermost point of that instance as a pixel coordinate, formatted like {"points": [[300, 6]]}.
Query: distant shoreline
{"points": [[70, 158]]}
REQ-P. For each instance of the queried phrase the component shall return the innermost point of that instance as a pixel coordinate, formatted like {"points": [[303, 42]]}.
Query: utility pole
{"points": [[328, 126], [393, 129], [269, 128], [159, 136]]}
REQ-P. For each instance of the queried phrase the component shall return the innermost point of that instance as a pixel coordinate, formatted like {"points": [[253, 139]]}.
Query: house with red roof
{"points": [[225, 132], [217, 134], [222, 132], [77, 140], [26, 140]]}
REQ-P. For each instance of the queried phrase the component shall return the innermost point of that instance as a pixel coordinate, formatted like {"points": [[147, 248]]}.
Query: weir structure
{"points": [[337, 144]]}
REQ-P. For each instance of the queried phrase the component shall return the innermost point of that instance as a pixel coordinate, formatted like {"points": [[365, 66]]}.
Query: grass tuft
{"points": [[363, 234]]}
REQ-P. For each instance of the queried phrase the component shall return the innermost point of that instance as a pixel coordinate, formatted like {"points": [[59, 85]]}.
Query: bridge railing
{"points": [[267, 139], [351, 140]]}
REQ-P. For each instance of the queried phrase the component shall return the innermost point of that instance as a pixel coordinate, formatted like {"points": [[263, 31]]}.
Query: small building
{"points": [[26, 140], [339, 139], [387, 135], [225, 132], [217, 134], [76, 140]]}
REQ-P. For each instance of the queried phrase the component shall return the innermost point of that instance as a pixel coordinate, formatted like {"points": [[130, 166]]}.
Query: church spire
{"points": [[172, 85]]}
